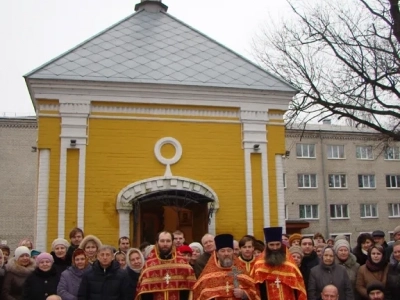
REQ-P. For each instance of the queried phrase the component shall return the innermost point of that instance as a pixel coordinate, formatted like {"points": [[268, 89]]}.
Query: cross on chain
{"points": [[167, 278], [235, 272], [277, 282]]}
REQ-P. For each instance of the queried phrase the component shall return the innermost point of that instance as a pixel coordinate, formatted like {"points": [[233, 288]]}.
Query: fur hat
{"points": [[396, 230], [341, 243], [59, 241], [198, 246], [375, 285], [224, 240], [294, 236], [90, 238], [21, 250], [44, 255], [296, 249], [128, 261]]}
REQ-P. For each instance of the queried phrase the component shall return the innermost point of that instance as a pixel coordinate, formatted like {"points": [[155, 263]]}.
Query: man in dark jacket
{"points": [[310, 258], [106, 280], [209, 247]]}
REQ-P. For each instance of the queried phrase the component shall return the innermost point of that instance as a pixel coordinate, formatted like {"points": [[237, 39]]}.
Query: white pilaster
{"points": [[61, 188], [265, 184], [280, 191], [249, 191], [123, 215], [81, 187], [43, 199]]}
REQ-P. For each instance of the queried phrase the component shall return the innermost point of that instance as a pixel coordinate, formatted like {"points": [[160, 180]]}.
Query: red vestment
{"points": [[249, 265], [217, 282], [165, 278], [280, 281]]}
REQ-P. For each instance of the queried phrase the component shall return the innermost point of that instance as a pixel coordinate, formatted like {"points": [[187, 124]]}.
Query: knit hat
{"points": [[35, 252], [340, 237], [198, 246], [294, 236], [296, 249], [341, 243], [44, 255], [375, 285], [21, 250], [396, 230], [185, 249], [59, 241]]}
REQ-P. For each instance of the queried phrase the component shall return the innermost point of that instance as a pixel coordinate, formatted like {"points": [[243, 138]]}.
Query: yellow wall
{"points": [[121, 152]]}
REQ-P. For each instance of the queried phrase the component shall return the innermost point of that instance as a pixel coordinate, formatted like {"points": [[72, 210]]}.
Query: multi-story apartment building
{"points": [[341, 180]]}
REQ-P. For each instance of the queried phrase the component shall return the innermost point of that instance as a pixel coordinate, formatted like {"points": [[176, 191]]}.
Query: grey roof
{"points": [[151, 47]]}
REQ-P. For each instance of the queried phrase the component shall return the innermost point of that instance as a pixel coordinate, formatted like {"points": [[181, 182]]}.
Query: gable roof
{"points": [[149, 47]]}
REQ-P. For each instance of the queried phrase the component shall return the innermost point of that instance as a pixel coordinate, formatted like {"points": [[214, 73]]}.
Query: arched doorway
{"points": [[167, 203]]}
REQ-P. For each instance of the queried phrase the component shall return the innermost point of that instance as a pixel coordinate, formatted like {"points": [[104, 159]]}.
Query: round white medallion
{"points": [[173, 142]]}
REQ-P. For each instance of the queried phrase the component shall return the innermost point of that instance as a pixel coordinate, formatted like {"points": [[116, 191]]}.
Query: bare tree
{"points": [[343, 57]]}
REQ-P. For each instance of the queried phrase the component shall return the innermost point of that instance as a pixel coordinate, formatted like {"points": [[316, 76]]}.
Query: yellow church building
{"points": [[152, 125]]}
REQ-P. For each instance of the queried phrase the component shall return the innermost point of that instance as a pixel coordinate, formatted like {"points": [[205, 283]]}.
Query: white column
{"points": [[280, 191], [211, 226], [43, 199], [81, 187], [249, 191], [124, 222], [62, 188], [265, 185]]}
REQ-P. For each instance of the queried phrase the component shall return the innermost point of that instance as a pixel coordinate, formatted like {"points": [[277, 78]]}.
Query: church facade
{"points": [[152, 125]]}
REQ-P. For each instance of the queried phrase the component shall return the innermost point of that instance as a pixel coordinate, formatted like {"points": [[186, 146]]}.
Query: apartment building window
{"points": [[284, 180], [368, 211], [393, 181], [308, 211], [392, 153], [307, 181], [335, 151], [364, 152], [337, 181], [366, 181], [394, 210], [339, 211], [305, 150]]}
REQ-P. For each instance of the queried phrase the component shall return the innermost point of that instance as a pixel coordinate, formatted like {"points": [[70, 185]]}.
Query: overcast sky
{"points": [[35, 31]]}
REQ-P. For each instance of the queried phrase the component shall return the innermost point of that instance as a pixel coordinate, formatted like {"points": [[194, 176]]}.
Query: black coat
{"points": [[392, 291], [104, 284], [307, 264], [361, 257], [39, 285], [61, 264], [133, 279]]}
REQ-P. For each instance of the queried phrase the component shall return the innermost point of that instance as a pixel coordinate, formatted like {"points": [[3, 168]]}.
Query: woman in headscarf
{"points": [[364, 241], [62, 260], [91, 245], [327, 272], [120, 257], [43, 281], [375, 269], [135, 262], [71, 278], [18, 269], [197, 249]]}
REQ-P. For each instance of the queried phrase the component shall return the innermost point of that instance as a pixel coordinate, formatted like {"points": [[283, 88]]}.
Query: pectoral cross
{"points": [[227, 288], [167, 278], [235, 272], [277, 282]]}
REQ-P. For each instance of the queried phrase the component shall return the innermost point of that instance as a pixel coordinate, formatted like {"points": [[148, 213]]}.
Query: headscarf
{"points": [[128, 261], [198, 246]]}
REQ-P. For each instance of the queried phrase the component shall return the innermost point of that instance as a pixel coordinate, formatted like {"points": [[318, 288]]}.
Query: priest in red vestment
{"points": [[277, 277], [224, 277], [166, 274]]}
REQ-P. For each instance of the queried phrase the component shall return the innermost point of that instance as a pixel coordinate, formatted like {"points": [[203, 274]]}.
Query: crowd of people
{"points": [[281, 267]]}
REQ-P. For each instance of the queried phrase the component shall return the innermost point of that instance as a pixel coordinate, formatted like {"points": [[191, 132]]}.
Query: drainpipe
{"points": [[324, 187]]}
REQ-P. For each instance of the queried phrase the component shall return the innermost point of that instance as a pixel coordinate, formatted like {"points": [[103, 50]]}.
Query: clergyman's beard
{"points": [[226, 262], [165, 252], [275, 257]]}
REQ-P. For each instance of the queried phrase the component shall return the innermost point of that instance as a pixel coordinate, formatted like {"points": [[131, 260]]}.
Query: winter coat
{"points": [[351, 266], [15, 278], [39, 284], [361, 257], [392, 291], [2, 276], [132, 274], [307, 264], [201, 263], [322, 275], [69, 283], [365, 277], [104, 284], [61, 264]]}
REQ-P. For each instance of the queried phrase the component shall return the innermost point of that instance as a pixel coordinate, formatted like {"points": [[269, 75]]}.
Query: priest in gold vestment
{"points": [[277, 277], [224, 276], [166, 274]]}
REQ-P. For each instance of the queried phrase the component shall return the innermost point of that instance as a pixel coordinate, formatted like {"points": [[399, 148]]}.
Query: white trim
{"points": [[62, 187], [43, 199], [124, 222], [280, 191], [249, 191], [265, 182], [81, 188], [168, 161], [165, 119]]}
